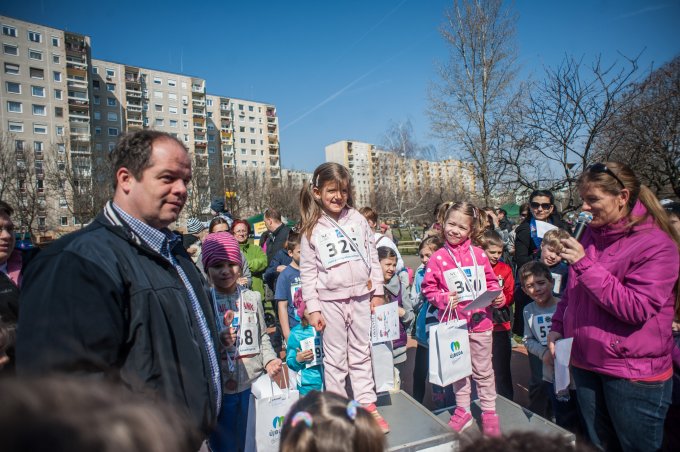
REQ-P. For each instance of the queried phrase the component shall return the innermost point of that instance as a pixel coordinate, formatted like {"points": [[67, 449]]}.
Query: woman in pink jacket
{"points": [[618, 306], [341, 281]]}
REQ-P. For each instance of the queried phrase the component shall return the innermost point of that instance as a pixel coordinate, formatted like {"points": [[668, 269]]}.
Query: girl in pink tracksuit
{"points": [[456, 274], [341, 281]]}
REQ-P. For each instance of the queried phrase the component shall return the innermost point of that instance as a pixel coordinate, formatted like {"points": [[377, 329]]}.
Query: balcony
{"points": [[199, 126], [83, 103], [273, 151], [274, 173], [137, 108], [198, 113], [133, 93], [274, 160], [225, 135], [132, 79], [271, 120], [198, 102], [197, 89], [200, 139]]}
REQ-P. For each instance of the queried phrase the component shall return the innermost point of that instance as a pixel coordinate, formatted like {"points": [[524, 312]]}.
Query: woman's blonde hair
{"points": [[621, 174], [310, 208], [476, 221]]}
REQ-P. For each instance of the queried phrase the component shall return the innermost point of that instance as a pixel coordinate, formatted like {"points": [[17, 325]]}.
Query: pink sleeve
{"points": [[376, 269], [433, 286], [309, 275]]}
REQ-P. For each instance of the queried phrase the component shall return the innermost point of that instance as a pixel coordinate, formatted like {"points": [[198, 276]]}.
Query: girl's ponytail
{"points": [[310, 211]]}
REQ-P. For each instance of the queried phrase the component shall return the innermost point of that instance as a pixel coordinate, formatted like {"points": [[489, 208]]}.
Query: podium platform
{"points": [[414, 428]]}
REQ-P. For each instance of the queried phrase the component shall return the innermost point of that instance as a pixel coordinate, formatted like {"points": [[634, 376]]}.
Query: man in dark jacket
{"points": [[278, 232], [121, 298]]}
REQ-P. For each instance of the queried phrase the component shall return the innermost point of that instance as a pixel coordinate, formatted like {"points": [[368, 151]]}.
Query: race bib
{"points": [[316, 344], [540, 325], [248, 337], [462, 286], [557, 278], [335, 249]]}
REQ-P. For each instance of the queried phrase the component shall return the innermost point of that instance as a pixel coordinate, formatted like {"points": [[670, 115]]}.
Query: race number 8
{"points": [[248, 337]]}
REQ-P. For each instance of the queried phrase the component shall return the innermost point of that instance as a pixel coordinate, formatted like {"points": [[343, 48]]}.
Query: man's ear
{"points": [[124, 179]]}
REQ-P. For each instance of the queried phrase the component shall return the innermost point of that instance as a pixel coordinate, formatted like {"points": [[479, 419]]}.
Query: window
{"points": [[211, 149], [40, 128], [211, 137], [112, 116], [184, 85], [41, 222], [172, 110], [16, 126], [63, 221], [37, 91], [252, 130], [250, 108], [61, 147], [209, 102], [58, 112], [56, 59], [12, 87], [55, 41], [97, 146], [9, 31], [211, 127], [243, 141], [157, 81], [158, 107], [111, 146], [251, 119], [254, 163], [59, 130], [172, 96], [253, 152], [173, 123], [185, 100], [158, 94], [172, 82], [96, 100], [9, 49], [95, 84], [113, 132], [12, 69], [34, 36], [244, 162], [185, 123], [37, 73], [97, 130], [184, 111], [14, 107], [252, 141], [159, 122], [243, 151], [110, 72], [62, 202], [186, 136], [240, 106], [39, 110], [58, 94], [242, 129], [95, 70], [97, 115], [35, 54], [111, 101], [110, 87], [56, 76]]}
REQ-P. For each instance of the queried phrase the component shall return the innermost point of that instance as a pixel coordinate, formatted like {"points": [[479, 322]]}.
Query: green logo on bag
{"points": [[278, 422], [455, 346]]}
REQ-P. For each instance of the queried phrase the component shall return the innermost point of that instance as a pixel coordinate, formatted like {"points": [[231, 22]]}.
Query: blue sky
{"points": [[343, 69]]}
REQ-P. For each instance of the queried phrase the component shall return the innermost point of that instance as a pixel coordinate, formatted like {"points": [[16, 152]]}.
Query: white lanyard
{"points": [[230, 360], [472, 289]]}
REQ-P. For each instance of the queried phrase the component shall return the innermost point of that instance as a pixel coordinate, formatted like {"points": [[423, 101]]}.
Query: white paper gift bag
{"points": [[449, 352], [383, 366], [266, 415]]}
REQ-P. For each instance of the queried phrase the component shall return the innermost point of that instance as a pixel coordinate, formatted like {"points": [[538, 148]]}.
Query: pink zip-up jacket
{"points": [[619, 301], [435, 289], [345, 280]]}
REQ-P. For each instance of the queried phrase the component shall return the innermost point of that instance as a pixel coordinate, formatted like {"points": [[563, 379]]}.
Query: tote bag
{"points": [[449, 351]]}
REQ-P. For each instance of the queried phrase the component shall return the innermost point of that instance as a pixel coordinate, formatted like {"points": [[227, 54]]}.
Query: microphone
{"points": [[581, 222]]}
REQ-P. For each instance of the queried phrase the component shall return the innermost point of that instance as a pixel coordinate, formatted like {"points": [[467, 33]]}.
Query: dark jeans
{"points": [[539, 402], [621, 414], [566, 412], [229, 434], [421, 374], [501, 353]]}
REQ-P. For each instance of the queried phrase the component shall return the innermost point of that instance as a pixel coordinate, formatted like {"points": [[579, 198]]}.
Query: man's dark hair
{"points": [[133, 151], [272, 214], [6, 208]]}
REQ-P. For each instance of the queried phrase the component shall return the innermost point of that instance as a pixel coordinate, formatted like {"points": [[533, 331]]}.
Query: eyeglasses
{"points": [[542, 205], [602, 168]]}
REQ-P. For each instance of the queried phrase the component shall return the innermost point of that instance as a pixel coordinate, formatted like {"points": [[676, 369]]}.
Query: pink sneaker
{"points": [[490, 424], [382, 423], [460, 420]]}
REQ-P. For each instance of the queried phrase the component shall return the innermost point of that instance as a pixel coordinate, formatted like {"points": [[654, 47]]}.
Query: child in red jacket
{"points": [[492, 243]]}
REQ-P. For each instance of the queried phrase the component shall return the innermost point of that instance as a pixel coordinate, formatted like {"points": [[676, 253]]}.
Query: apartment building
{"points": [[371, 168], [55, 96], [45, 116], [294, 178], [359, 158]]}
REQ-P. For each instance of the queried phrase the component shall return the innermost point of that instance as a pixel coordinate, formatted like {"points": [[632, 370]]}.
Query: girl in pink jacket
{"points": [[456, 274], [341, 282]]}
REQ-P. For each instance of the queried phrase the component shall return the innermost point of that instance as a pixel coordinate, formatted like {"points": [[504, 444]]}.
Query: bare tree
{"points": [[645, 133], [399, 138], [198, 196], [562, 120], [466, 105]]}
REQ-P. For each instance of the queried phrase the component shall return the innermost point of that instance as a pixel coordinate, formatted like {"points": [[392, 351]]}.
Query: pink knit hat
{"points": [[220, 247]]}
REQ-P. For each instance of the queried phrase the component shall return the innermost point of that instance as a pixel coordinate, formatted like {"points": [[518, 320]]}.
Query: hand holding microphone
{"points": [[573, 251]]}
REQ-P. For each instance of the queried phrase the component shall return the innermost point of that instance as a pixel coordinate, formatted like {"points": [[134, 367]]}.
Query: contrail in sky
{"points": [[648, 9]]}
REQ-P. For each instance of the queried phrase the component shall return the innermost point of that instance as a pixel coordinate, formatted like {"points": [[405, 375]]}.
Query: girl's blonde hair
{"points": [[324, 421], [623, 175], [476, 223], [310, 208]]}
